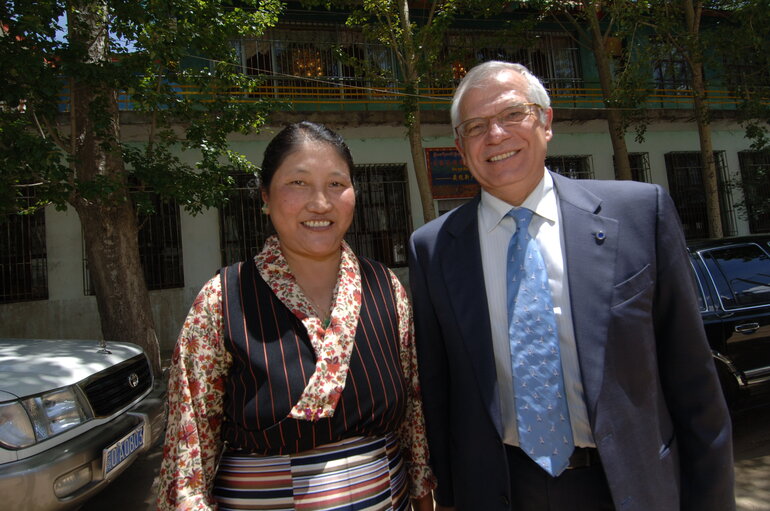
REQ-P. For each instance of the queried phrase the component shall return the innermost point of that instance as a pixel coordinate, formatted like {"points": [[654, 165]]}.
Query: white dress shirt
{"points": [[495, 231]]}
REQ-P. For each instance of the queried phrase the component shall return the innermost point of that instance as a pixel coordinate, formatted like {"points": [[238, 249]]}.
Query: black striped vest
{"points": [[273, 361]]}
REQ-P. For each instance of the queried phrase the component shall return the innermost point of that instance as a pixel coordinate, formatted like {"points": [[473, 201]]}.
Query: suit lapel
{"points": [[462, 269], [590, 260]]}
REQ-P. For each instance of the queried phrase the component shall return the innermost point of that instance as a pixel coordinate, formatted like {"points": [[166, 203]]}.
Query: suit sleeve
{"points": [[688, 375], [434, 374]]}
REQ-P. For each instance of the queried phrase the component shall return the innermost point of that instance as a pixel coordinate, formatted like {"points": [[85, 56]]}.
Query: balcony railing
{"points": [[334, 94]]}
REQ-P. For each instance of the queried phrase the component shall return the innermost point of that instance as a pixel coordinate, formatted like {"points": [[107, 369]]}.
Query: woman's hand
{"points": [[423, 503]]}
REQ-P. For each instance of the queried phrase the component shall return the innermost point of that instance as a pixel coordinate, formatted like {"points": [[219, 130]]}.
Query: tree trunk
{"points": [[109, 224], [614, 116], [412, 116], [709, 175], [116, 276], [421, 168]]}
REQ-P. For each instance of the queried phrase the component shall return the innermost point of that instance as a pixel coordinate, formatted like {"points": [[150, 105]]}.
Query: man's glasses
{"points": [[511, 116]]}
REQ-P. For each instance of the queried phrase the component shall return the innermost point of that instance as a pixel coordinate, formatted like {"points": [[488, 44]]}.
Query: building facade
{"points": [[310, 65]]}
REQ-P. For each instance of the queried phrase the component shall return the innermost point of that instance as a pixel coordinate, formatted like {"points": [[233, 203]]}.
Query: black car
{"points": [[733, 276]]}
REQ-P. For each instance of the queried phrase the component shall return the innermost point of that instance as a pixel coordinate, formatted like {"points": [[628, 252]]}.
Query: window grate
{"points": [[23, 254], [575, 167], [755, 180], [685, 182], [640, 166], [160, 246], [242, 225], [382, 223]]}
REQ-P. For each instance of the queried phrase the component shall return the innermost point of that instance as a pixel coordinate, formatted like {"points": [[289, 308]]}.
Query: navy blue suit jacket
{"points": [[655, 407]]}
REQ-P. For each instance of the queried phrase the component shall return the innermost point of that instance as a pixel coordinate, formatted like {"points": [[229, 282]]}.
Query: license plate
{"points": [[114, 455]]}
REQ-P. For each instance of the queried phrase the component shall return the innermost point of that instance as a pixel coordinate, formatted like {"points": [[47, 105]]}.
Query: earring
{"points": [[265, 211]]}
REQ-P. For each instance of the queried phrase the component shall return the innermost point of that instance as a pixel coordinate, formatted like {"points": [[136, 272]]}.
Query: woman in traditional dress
{"points": [[293, 383]]}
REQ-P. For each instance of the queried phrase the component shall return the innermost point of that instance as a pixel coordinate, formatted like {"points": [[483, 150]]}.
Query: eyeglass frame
{"points": [[496, 117]]}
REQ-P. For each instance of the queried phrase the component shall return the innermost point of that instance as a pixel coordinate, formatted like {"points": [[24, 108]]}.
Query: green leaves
{"points": [[171, 66]]}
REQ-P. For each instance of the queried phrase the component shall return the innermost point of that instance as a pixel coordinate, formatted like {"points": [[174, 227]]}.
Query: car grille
{"points": [[116, 387]]}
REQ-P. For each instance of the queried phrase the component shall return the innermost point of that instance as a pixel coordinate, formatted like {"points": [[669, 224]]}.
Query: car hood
{"points": [[32, 366]]}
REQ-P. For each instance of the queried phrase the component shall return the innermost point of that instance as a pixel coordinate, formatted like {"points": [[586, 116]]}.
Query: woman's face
{"points": [[311, 201]]}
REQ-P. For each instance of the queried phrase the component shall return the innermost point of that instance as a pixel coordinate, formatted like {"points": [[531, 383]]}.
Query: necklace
{"points": [[325, 319]]}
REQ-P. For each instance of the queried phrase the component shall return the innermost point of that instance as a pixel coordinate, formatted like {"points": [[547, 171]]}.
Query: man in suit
{"points": [[650, 429]]}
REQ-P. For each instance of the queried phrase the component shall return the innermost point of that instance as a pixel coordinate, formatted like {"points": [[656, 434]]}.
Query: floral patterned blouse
{"points": [[200, 365]]}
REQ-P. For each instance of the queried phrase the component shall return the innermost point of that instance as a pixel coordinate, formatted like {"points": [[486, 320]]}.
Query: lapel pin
{"points": [[600, 236]]}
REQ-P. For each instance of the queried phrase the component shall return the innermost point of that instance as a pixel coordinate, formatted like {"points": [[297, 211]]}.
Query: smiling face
{"points": [[311, 201], [508, 162]]}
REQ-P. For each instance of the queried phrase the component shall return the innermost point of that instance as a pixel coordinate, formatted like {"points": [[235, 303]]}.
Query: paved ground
{"points": [[135, 489]]}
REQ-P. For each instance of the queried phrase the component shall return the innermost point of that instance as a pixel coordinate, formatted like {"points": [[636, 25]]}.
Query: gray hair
{"points": [[475, 78]]}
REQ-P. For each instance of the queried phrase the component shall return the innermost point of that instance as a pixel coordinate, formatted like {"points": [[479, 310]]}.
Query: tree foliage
{"points": [[78, 72], [609, 30], [154, 62]]}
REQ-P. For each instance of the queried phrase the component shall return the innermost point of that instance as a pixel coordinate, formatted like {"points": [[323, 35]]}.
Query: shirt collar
{"points": [[542, 200]]}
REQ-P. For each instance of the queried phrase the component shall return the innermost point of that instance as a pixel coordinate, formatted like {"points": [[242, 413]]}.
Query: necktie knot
{"points": [[522, 217]]}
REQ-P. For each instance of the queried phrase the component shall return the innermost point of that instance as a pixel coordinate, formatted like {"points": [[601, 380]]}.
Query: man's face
{"points": [[508, 162]]}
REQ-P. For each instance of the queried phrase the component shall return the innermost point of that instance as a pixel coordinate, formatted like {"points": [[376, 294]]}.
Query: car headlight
{"points": [[16, 429], [40, 417]]}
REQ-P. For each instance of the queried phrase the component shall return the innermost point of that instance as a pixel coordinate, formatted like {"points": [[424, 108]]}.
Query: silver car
{"points": [[73, 416]]}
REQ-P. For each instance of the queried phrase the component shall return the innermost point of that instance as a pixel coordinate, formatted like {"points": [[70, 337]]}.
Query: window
{"points": [[741, 275], [670, 73], [160, 246], [755, 180], [380, 229], [685, 182], [640, 166], [23, 257], [318, 61], [382, 222], [553, 57], [243, 227], [576, 167]]}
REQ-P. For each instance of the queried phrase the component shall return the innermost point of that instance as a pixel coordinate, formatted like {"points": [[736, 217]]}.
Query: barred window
{"points": [[685, 182], [380, 229], [670, 72], [23, 256], [160, 246], [382, 223], [313, 60], [755, 181], [576, 167], [243, 227], [553, 57], [640, 166]]}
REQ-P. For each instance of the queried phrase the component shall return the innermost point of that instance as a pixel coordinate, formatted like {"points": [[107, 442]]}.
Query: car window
{"points": [[698, 277], [741, 274]]}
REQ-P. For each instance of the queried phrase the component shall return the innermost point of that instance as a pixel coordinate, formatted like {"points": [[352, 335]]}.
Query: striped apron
{"points": [[358, 473]]}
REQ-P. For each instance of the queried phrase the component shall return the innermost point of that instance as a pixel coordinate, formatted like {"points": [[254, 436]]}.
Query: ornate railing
{"points": [[346, 96]]}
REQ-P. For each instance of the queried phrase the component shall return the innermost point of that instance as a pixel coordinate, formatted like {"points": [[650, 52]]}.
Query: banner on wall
{"points": [[449, 177]]}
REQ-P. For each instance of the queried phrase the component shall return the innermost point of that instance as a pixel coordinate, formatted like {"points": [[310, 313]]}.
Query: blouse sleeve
{"points": [[411, 433], [195, 391]]}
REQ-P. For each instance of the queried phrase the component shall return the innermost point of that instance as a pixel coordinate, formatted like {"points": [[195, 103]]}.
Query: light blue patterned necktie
{"points": [[545, 433]]}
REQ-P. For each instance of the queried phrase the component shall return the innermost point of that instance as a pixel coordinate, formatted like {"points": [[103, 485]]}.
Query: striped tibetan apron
{"points": [[358, 473]]}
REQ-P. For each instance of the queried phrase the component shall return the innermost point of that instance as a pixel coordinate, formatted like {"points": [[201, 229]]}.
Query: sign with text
{"points": [[449, 177]]}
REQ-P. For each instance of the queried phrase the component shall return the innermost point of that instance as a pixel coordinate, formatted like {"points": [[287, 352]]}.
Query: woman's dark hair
{"points": [[290, 138]]}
